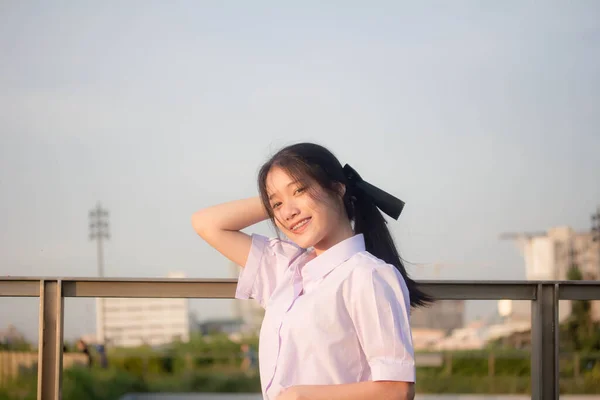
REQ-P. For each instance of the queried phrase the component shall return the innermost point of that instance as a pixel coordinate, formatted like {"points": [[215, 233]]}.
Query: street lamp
{"points": [[99, 232]]}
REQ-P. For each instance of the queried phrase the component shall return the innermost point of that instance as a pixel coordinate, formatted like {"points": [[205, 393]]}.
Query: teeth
{"points": [[299, 225]]}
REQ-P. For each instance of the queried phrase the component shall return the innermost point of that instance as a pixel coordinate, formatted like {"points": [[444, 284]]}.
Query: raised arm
{"points": [[220, 226]]}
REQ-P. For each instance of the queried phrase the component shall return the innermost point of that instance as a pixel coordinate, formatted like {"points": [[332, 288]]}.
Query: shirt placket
{"points": [[296, 290]]}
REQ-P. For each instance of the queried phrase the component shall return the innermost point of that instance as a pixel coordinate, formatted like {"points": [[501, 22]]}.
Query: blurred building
{"points": [[427, 339], [445, 315], [431, 325], [469, 337], [477, 334], [130, 322], [549, 256], [224, 325]]}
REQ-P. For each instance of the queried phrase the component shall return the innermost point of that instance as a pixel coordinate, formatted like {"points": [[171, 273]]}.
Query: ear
{"points": [[340, 188]]}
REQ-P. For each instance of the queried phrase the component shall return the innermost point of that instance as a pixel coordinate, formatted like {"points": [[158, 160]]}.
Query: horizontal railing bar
{"points": [[479, 291], [19, 288], [147, 289], [570, 291], [225, 288], [113, 279]]}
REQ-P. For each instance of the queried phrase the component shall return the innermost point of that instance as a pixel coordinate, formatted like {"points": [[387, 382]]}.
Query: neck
{"points": [[344, 232]]}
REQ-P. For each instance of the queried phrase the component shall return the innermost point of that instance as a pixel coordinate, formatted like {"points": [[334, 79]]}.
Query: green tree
{"points": [[17, 345], [582, 334]]}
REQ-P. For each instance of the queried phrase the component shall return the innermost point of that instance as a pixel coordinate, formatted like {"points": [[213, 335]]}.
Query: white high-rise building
{"points": [[549, 257], [130, 322]]}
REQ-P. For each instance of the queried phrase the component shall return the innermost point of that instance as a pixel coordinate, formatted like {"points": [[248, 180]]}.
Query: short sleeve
{"points": [[379, 306], [267, 262]]}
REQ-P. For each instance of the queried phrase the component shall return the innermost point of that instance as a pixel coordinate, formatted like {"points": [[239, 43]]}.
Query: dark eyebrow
{"points": [[288, 185]]}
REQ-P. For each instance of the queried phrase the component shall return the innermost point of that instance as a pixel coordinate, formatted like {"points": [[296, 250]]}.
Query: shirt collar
{"points": [[320, 266]]}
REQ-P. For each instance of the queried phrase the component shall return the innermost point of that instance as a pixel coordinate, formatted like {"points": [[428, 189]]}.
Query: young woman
{"points": [[336, 295]]}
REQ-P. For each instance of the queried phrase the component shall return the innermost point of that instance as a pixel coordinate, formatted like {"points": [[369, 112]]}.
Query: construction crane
{"points": [[520, 235]]}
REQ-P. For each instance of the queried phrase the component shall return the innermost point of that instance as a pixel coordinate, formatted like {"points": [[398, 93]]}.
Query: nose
{"points": [[290, 210]]}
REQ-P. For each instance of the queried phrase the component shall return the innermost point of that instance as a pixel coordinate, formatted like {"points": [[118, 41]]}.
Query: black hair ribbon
{"points": [[387, 203]]}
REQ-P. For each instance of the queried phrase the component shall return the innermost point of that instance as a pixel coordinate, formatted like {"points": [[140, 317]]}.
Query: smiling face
{"points": [[305, 212]]}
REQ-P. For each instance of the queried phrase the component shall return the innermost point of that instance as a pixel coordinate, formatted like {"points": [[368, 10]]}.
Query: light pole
{"points": [[99, 232], [596, 231], [596, 225]]}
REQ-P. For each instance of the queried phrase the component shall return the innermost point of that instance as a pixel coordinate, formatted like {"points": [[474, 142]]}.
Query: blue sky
{"points": [[481, 116]]}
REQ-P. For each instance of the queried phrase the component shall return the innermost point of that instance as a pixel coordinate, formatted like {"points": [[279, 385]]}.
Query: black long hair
{"points": [[309, 160]]}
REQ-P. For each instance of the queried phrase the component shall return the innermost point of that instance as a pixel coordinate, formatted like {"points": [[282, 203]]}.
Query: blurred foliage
{"points": [[212, 364], [579, 332], [16, 345]]}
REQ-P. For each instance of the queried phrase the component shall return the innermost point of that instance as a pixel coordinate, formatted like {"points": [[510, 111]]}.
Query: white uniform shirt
{"points": [[341, 317]]}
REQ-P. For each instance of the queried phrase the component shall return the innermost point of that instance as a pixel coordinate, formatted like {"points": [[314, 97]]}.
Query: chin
{"points": [[306, 243], [302, 241]]}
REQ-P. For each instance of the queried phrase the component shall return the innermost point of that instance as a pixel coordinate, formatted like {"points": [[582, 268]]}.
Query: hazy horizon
{"points": [[482, 117]]}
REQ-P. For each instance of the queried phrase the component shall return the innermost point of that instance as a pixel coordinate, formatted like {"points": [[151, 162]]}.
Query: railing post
{"points": [[50, 340], [544, 337]]}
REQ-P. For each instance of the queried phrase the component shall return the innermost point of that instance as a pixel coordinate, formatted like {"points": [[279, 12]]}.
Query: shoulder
{"points": [[369, 275], [365, 265]]}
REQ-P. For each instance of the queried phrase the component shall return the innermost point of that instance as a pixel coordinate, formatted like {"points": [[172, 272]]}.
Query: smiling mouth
{"points": [[300, 226]]}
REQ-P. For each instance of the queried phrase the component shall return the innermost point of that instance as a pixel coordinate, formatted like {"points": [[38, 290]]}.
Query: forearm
{"points": [[220, 227], [231, 216], [381, 390]]}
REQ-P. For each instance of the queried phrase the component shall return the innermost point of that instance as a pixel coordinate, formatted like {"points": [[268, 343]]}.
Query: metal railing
{"points": [[544, 297]]}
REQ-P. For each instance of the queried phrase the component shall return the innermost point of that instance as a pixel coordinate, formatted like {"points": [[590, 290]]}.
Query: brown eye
{"points": [[300, 190]]}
